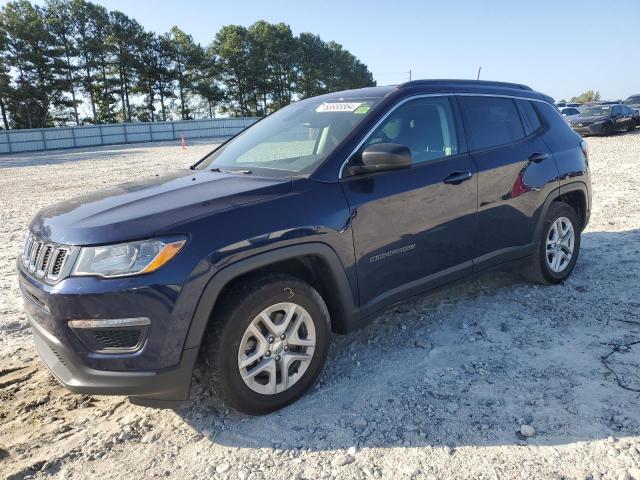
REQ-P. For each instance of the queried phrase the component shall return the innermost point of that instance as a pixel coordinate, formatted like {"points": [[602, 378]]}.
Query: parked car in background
{"points": [[308, 222], [568, 104], [569, 111], [634, 102], [603, 119]]}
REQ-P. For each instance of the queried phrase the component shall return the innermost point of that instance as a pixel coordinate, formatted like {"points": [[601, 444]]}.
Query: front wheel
{"points": [[632, 126], [267, 344], [608, 129], [557, 246]]}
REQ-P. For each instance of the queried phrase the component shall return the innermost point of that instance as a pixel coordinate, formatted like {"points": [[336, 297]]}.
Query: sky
{"points": [[559, 47]]}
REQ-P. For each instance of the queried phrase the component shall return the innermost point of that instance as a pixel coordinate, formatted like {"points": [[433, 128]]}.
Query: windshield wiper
{"points": [[223, 170]]}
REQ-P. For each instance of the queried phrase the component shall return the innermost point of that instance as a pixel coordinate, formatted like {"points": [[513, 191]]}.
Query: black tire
{"points": [[608, 129], [232, 317], [632, 126], [539, 270]]}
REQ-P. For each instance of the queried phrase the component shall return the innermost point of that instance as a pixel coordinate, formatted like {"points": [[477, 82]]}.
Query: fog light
{"points": [[110, 323], [112, 335]]}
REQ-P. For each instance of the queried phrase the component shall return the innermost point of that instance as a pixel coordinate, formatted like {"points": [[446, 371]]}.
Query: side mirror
{"points": [[382, 157]]}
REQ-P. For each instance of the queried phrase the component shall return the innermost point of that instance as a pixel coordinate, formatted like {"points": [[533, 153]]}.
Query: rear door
{"points": [[514, 166], [414, 228], [628, 114], [618, 119]]}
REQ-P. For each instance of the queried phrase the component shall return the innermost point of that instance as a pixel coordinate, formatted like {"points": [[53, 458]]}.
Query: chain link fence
{"points": [[12, 141]]}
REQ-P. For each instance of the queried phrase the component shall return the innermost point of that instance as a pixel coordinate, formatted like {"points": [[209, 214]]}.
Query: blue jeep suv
{"points": [[308, 222]]}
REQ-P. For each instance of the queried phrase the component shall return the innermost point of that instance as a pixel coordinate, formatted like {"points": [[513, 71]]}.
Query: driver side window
{"points": [[425, 125]]}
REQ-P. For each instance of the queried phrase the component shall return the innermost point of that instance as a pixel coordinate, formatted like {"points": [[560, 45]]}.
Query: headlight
{"points": [[123, 259]]}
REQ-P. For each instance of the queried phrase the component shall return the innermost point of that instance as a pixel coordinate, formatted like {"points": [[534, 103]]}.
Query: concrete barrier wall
{"points": [[12, 141]]}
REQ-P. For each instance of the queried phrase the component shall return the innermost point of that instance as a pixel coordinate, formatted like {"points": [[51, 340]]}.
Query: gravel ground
{"points": [[492, 378]]}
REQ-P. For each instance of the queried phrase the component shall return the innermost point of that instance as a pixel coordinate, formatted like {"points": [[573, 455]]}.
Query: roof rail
{"points": [[487, 83]]}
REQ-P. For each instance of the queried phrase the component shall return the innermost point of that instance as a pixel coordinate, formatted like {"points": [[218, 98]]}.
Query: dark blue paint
{"points": [[411, 208], [439, 231]]}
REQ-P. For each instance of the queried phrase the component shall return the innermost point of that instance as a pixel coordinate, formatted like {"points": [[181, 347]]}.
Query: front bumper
{"points": [[595, 129], [167, 388], [156, 374]]}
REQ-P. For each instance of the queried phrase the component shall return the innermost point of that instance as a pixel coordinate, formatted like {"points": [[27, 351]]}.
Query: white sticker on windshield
{"points": [[338, 107]]}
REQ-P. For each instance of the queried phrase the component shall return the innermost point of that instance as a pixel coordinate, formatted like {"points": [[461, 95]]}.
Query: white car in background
{"points": [[569, 111]]}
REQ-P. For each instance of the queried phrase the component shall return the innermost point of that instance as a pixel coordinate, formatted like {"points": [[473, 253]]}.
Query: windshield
{"points": [[598, 111], [293, 140], [635, 100]]}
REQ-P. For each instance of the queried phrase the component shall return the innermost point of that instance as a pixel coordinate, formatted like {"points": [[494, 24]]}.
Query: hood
{"points": [[587, 119], [141, 209]]}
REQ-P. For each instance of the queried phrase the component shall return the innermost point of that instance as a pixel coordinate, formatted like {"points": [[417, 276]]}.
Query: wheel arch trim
{"points": [[221, 278], [556, 193]]}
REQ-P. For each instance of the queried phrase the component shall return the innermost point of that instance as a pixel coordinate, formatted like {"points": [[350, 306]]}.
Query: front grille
{"points": [[44, 260], [60, 257]]}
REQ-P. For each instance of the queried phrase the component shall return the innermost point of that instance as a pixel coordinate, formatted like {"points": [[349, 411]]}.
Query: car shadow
{"points": [[470, 364], [617, 134]]}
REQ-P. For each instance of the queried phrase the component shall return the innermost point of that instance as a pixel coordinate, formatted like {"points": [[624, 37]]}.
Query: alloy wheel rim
{"points": [[560, 244], [276, 348]]}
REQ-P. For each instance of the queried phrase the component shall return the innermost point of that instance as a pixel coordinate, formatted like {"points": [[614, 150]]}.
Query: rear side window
{"points": [[530, 115], [425, 125], [491, 121]]}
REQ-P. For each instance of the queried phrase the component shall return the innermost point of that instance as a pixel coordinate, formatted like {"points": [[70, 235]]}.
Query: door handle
{"points": [[538, 157], [456, 178]]}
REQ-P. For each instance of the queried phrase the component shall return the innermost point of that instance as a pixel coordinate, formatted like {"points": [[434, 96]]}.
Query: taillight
{"points": [[585, 149]]}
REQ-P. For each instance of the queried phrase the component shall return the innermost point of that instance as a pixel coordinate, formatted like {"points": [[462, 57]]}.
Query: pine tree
{"points": [[30, 51], [186, 57], [164, 75], [58, 18], [125, 37], [231, 49], [54, 59], [5, 81], [207, 86]]}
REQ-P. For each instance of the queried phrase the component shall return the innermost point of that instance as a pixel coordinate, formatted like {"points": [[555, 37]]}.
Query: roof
{"points": [[463, 83], [443, 86]]}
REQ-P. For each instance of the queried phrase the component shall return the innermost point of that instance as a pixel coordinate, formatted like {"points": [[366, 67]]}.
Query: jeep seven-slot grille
{"points": [[44, 260]]}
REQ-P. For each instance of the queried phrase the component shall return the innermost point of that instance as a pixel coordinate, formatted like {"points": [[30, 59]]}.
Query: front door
{"points": [[414, 228]]}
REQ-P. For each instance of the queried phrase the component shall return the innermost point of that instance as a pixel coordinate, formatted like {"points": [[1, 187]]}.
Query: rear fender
{"points": [[557, 193]]}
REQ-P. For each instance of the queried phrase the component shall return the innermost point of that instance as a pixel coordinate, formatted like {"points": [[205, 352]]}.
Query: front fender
{"points": [[344, 295]]}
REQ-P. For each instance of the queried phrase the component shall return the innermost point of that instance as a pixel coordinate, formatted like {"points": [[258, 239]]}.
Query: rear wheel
{"points": [[557, 246], [267, 345], [632, 125]]}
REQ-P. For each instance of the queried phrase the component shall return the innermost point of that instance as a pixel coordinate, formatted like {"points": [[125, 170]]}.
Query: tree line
{"points": [[75, 62]]}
